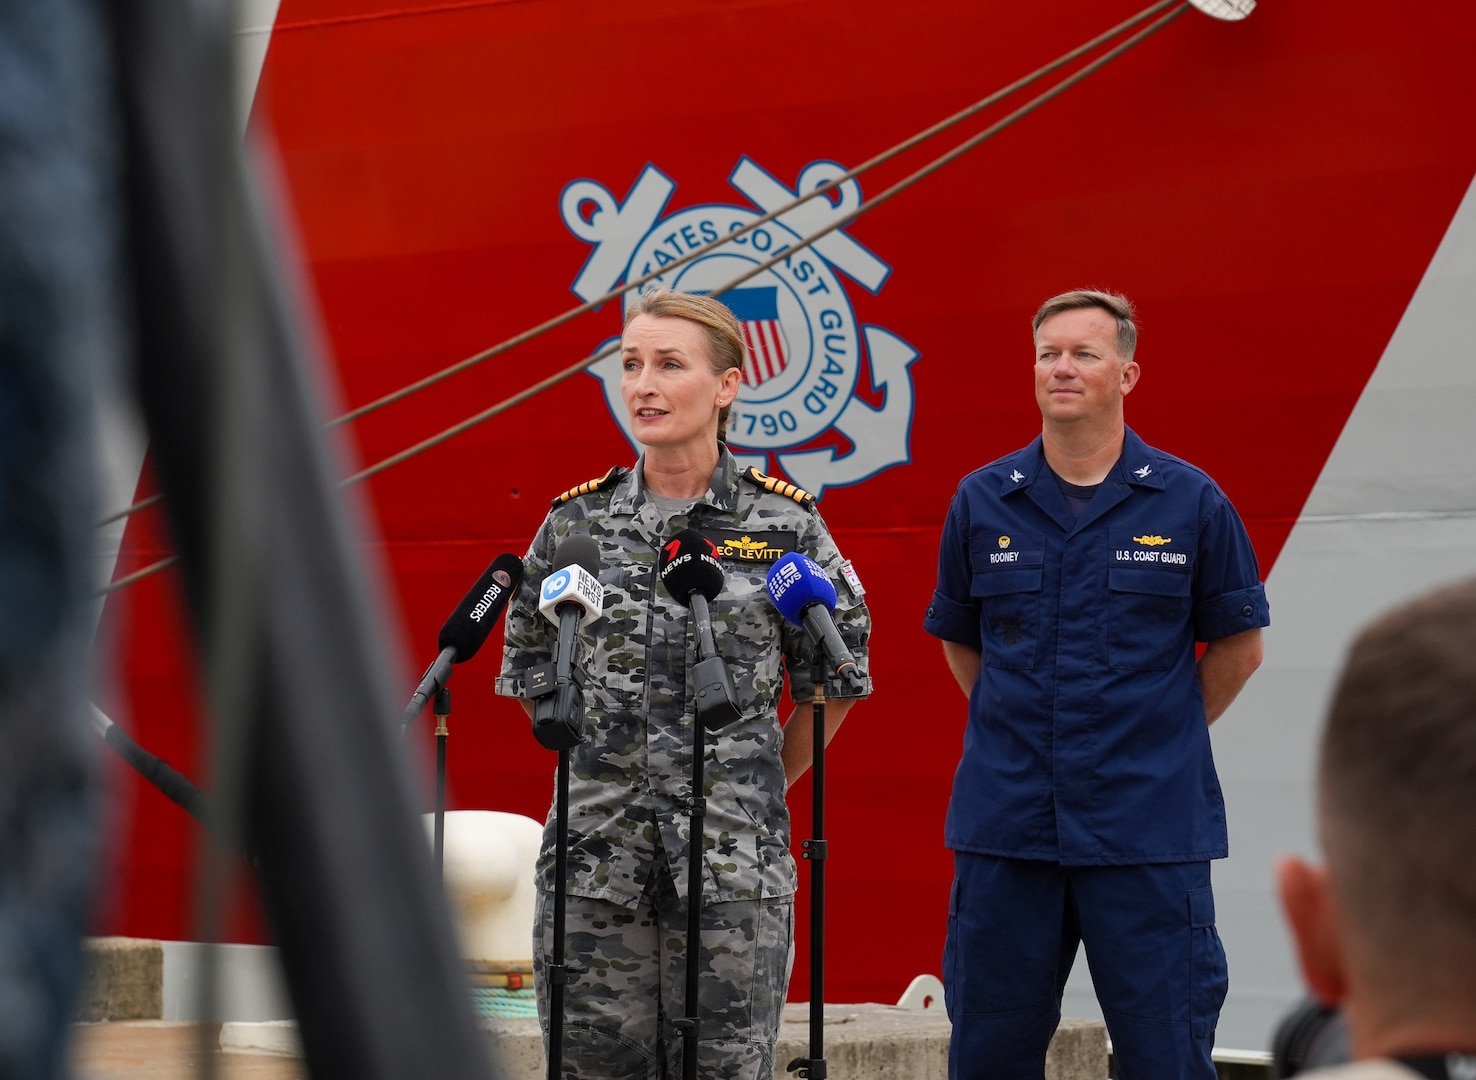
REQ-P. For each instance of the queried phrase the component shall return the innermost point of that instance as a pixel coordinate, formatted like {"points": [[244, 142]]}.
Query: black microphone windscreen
{"points": [[689, 565], [477, 613], [580, 550]]}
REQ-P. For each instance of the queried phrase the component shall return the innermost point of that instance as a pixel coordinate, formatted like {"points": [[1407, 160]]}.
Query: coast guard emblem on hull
{"points": [[797, 410]]}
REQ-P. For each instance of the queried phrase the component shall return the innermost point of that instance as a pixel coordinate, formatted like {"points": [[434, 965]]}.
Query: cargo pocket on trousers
{"points": [[1209, 977], [773, 960]]}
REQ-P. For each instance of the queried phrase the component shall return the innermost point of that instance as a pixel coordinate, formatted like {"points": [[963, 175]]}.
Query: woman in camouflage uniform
{"points": [[630, 781]]}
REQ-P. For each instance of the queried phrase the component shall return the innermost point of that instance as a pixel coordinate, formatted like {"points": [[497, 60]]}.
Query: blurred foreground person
{"points": [[58, 261], [1386, 930], [133, 237]]}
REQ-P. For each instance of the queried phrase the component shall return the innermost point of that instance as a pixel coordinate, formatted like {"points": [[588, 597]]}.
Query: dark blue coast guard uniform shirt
{"points": [[1087, 742]]}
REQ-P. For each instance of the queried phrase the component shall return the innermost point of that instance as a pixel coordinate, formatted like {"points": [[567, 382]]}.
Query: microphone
{"points": [[576, 587], [693, 576], [463, 633], [571, 598], [805, 597]]}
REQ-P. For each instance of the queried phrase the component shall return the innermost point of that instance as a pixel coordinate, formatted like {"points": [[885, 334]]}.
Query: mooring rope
{"points": [[880, 159], [1178, 8]]}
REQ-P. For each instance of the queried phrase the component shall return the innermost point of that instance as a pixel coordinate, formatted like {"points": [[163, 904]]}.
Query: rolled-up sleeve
{"points": [[953, 615], [1229, 597]]}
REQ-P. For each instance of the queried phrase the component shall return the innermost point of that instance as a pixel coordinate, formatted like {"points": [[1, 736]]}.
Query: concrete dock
{"points": [[122, 1036], [862, 1042]]}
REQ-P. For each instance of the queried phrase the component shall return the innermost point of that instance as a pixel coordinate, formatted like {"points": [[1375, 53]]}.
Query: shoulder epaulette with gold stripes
{"points": [[611, 477], [780, 487]]}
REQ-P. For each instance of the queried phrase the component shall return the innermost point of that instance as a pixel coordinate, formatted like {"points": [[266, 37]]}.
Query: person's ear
{"points": [[1130, 373], [1306, 901], [728, 384]]}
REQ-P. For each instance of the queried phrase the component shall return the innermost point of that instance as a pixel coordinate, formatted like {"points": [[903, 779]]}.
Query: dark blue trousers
{"points": [[1155, 957]]}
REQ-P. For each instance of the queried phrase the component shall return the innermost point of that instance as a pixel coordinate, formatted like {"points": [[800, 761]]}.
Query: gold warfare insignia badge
{"points": [[763, 547], [1153, 541], [1004, 542]]}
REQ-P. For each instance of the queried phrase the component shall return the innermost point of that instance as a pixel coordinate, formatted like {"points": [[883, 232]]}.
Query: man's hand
{"points": [[964, 662], [1225, 667]]}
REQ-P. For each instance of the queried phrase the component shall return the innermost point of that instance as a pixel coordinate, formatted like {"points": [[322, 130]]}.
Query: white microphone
{"points": [[573, 585], [571, 598]]}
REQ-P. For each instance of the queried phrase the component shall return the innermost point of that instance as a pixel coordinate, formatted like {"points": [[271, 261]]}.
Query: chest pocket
{"points": [[748, 630], [1007, 572], [1149, 584], [616, 645]]}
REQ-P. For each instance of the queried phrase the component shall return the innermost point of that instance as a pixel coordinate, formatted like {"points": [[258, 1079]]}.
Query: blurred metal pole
{"points": [[274, 582]]}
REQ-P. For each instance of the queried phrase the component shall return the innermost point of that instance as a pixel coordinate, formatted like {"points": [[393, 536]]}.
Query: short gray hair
{"points": [[1115, 304]]}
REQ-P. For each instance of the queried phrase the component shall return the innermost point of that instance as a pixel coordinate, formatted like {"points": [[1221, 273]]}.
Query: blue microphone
{"points": [[805, 597]]}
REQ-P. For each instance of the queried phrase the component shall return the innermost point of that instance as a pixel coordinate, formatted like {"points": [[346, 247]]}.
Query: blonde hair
{"points": [[720, 326]]}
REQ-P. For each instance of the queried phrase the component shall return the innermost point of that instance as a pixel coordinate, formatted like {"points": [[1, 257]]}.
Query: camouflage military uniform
{"points": [[630, 780]]}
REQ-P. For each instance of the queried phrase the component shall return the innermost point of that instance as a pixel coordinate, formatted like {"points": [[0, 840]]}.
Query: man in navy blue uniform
{"points": [[1074, 578]]}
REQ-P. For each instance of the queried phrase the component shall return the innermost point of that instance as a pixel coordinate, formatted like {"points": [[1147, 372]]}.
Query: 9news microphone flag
{"points": [[804, 595]]}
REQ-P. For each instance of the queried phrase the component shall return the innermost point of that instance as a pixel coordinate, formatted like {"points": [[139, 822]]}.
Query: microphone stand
{"points": [[558, 722], [689, 1024], [715, 705], [815, 850], [558, 971], [443, 713]]}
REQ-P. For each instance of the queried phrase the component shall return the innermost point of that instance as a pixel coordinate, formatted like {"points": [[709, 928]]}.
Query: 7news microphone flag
{"points": [[693, 576]]}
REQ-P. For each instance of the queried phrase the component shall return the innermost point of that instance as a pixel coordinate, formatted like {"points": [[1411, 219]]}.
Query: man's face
{"points": [[1079, 375]]}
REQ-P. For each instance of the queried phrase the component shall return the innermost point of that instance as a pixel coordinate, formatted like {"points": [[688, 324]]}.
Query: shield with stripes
{"points": [[757, 308]]}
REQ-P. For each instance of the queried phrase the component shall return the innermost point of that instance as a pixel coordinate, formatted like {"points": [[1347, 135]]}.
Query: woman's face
{"points": [[669, 387]]}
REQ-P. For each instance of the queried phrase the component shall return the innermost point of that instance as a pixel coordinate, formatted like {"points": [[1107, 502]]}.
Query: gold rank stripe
{"points": [[776, 486], [614, 474]]}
